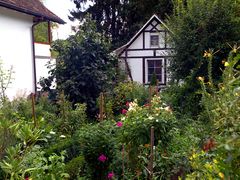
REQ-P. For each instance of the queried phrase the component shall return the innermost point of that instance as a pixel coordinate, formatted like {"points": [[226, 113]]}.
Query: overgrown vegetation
{"points": [[191, 130], [196, 26]]}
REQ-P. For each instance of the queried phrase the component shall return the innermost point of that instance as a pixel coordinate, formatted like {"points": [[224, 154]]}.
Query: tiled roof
{"points": [[31, 7]]}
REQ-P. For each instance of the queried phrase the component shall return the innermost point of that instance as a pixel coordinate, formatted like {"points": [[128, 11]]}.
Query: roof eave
{"points": [[57, 20]]}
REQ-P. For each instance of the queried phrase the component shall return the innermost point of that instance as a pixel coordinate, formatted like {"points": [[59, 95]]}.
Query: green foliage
{"points": [[73, 167], [84, 67], [126, 92], [220, 158], [5, 81], [69, 119], [41, 33], [198, 26], [96, 140], [137, 124], [27, 159]]}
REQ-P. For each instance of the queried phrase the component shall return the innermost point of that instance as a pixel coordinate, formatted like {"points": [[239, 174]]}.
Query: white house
{"points": [[148, 52], [17, 21]]}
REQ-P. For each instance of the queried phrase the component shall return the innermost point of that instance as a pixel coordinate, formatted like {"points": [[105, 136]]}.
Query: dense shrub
{"points": [[84, 66], [99, 147], [125, 92]]}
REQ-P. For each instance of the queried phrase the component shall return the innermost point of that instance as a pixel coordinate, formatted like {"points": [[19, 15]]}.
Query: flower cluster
{"points": [[102, 158]]}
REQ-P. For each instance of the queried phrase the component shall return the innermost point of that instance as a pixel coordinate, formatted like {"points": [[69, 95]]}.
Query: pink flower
{"points": [[119, 124], [110, 175], [127, 104], [124, 111], [102, 158]]}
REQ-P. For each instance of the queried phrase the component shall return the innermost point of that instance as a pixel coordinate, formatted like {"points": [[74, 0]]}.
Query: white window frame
{"points": [[162, 81]]}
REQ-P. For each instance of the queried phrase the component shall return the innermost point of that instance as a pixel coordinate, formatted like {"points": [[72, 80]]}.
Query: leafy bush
{"points": [[126, 92], [219, 157], [74, 167], [197, 25], [27, 159], [85, 67], [99, 147], [70, 119], [135, 132]]}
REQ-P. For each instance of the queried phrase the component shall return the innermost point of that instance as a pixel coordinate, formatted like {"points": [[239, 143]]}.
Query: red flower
{"points": [[119, 124], [102, 158], [209, 144], [124, 111], [110, 175]]}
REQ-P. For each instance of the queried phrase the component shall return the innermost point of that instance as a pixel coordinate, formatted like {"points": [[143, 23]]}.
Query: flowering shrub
{"points": [[99, 148], [220, 155], [135, 132]]}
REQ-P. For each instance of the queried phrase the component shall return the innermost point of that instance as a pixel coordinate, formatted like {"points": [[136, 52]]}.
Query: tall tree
{"points": [[197, 26], [84, 68], [120, 19]]}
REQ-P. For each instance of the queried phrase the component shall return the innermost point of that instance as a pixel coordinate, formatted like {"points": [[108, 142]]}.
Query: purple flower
{"points": [[110, 175], [119, 124], [102, 158]]}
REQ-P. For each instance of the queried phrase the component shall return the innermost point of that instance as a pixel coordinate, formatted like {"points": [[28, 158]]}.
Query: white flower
{"points": [[62, 136], [150, 118], [157, 120], [123, 118], [52, 132], [132, 106], [168, 109]]}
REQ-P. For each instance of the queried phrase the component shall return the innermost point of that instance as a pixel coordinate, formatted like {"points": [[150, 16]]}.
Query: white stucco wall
{"points": [[43, 60], [16, 50], [138, 43], [135, 65]]}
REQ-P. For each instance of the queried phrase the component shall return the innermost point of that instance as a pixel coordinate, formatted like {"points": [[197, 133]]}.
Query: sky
{"points": [[61, 8]]}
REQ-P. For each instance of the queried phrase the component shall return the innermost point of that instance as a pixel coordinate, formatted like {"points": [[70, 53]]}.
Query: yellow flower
{"points": [[194, 156], [226, 64], [215, 161], [200, 78], [208, 166], [221, 175]]}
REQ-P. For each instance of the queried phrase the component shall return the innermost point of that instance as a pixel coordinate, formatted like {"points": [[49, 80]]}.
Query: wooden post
{"points": [[150, 165], [33, 110], [101, 107], [123, 161]]}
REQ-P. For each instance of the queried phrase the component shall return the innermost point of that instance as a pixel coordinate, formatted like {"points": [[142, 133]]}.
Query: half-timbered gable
{"points": [[148, 52]]}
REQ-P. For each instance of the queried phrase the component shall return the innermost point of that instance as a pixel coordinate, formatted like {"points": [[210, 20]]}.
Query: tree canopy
{"points": [[120, 19], [200, 25], [84, 67]]}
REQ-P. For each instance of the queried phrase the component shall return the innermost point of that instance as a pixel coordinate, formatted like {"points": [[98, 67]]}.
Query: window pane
{"points": [[149, 78], [158, 70], [158, 63], [150, 70], [159, 77], [154, 40], [150, 63]]}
